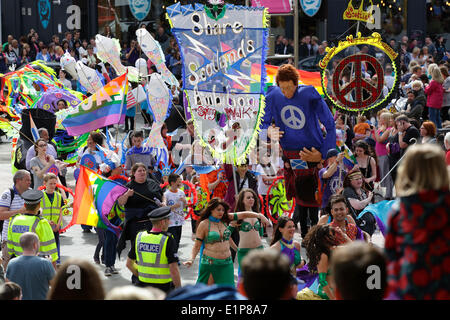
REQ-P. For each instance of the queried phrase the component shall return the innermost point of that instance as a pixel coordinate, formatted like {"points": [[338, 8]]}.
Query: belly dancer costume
{"points": [[221, 270]]}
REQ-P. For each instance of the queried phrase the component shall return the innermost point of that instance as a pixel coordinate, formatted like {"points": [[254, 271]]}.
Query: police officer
{"points": [[154, 261], [30, 221]]}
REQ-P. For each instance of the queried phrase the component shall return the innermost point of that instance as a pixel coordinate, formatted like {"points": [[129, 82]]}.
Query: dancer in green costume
{"points": [[213, 234], [250, 229]]}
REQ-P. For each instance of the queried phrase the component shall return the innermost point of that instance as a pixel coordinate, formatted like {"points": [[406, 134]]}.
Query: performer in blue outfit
{"points": [[305, 128]]}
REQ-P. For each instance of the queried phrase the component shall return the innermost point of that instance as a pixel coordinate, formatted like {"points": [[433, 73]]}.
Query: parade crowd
{"points": [[400, 155]]}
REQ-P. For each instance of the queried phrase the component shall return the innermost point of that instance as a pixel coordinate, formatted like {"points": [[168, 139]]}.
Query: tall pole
{"points": [[296, 33], [1, 30]]}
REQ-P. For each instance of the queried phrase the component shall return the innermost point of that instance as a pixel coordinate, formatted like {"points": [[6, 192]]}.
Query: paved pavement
{"points": [[74, 243]]}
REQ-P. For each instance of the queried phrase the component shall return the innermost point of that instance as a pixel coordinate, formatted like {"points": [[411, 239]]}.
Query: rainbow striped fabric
{"points": [[306, 77], [349, 159], [107, 106], [94, 199]]}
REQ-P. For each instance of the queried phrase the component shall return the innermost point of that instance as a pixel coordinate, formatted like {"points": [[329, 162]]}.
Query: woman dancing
{"points": [[213, 235], [283, 240], [319, 242], [250, 229]]}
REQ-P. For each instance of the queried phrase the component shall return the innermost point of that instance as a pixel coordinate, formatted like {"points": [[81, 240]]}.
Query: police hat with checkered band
{"points": [[32, 196], [159, 214]]}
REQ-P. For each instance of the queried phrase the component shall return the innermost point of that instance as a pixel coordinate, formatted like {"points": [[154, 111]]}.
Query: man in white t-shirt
{"points": [[10, 207], [176, 200]]}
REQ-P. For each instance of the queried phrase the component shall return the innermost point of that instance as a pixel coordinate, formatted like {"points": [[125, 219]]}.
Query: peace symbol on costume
{"points": [[293, 117], [358, 83], [334, 185]]}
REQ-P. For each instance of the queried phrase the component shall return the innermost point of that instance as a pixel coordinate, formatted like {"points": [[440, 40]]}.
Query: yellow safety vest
{"points": [[51, 210], [152, 262], [22, 223]]}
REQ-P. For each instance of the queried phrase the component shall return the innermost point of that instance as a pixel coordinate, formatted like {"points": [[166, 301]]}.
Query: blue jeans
{"points": [[100, 244], [435, 116], [56, 234], [110, 245], [110, 248]]}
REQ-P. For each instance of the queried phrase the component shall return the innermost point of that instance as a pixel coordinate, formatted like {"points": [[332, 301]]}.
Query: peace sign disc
{"points": [[351, 94]]}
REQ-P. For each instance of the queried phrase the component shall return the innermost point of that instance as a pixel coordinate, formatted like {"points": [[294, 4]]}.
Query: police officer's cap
{"points": [[159, 214], [32, 196]]}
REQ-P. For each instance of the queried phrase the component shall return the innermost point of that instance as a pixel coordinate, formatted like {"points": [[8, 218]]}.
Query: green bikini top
{"points": [[214, 236], [247, 226]]}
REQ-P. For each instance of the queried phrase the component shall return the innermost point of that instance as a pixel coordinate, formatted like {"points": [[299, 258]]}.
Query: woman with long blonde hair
{"points": [[417, 244], [435, 94]]}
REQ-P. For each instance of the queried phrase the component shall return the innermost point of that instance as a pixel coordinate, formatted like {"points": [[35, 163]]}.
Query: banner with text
{"points": [[223, 49]]}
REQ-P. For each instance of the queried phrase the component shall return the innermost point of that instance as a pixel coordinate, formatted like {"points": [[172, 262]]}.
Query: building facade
{"points": [[49, 17]]}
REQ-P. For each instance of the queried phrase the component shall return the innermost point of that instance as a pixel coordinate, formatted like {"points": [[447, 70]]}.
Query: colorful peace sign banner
{"points": [[88, 160], [223, 49], [53, 169], [353, 75]]}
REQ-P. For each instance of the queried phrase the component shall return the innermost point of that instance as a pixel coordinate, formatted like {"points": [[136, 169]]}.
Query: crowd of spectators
{"points": [[29, 48], [379, 141]]}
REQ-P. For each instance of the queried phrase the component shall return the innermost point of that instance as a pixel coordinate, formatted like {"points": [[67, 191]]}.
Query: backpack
{"points": [[11, 190]]}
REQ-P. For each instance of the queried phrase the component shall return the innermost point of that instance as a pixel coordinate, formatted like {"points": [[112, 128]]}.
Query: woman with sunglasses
{"points": [[358, 198], [40, 163]]}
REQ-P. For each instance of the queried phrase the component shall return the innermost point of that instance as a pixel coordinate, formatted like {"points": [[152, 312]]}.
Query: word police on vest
{"points": [[147, 247], [20, 229], [159, 214]]}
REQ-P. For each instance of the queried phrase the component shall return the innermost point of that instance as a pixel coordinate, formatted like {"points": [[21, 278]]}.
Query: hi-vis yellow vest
{"points": [[22, 223], [151, 258], [51, 210]]}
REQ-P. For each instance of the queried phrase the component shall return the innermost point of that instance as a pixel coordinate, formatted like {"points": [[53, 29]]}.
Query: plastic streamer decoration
{"points": [[68, 63], [159, 98], [154, 52], [22, 88], [89, 78], [277, 204], [354, 69], [108, 50], [223, 49]]}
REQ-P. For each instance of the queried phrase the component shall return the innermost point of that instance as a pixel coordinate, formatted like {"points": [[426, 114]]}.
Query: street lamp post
{"points": [[296, 32]]}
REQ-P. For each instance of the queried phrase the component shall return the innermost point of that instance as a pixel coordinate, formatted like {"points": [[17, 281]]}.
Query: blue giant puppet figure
{"points": [[307, 132]]}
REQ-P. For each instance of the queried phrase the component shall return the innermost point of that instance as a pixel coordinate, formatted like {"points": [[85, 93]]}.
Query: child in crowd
{"points": [[361, 128], [176, 200], [51, 205]]}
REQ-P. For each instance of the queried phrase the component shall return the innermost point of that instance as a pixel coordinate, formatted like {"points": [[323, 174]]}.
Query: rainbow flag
{"points": [[94, 199], [107, 106], [306, 77], [349, 159]]}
